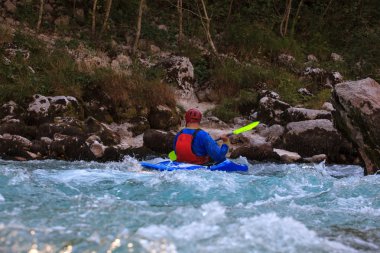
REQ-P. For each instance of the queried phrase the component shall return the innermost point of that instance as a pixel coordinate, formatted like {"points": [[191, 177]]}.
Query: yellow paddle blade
{"points": [[246, 128], [172, 156]]}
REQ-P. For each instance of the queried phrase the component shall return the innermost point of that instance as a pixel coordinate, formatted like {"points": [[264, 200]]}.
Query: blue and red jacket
{"points": [[197, 146]]}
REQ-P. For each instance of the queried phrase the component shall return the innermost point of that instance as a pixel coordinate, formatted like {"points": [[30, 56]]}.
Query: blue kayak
{"points": [[168, 165]]}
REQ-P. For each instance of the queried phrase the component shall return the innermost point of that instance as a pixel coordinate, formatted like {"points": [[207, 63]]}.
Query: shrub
{"points": [[133, 90]]}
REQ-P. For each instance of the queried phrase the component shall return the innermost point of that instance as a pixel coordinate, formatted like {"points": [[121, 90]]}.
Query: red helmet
{"points": [[193, 116]]}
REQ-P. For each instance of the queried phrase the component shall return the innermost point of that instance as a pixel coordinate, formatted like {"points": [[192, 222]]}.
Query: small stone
{"points": [[47, 140], [287, 156], [154, 49], [316, 158], [48, 8], [328, 107], [162, 28], [312, 58], [62, 21], [305, 92], [97, 149], [10, 7], [336, 57]]}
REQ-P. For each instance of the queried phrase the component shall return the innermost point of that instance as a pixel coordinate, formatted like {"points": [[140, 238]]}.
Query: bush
{"points": [[133, 90], [242, 105], [248, 40]]}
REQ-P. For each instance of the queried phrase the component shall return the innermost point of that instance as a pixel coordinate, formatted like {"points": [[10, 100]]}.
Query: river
{"points": [[57, 206]]}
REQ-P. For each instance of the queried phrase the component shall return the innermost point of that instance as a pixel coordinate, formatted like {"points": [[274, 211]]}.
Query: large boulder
{"points": [[271, 110], [159, 141], [18, 128], [357, 115], [163, 117], [44, 109], [10, 108], [256, 149], [70, 148], [272, 134], [301, 114], [15, 147], [107, 135], [312, 137], [180, 71]]}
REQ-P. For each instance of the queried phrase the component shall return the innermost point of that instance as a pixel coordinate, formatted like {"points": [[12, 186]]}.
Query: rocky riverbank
{"points": [[55, 128]]}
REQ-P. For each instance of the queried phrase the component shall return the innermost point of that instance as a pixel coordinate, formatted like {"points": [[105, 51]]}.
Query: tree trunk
{"points": [[138, 30], [40, 14], [229, 11], [93, 27], [295, 19], [285, 18], [180, 22], [107, 14], [205, 20], [327, 8]]}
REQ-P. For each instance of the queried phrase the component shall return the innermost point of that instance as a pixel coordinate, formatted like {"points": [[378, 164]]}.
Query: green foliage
{"points": [[226, 110], [249, 40], [26, 12], [242, 105]]}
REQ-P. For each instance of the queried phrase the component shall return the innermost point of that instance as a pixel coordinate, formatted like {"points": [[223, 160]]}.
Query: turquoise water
{"points": [[55, 206]]}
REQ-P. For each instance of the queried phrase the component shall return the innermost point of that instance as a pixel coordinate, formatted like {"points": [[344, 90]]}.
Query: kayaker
{"points": [[196, 146]]}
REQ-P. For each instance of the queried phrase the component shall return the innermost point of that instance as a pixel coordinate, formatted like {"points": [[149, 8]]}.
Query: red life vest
{"points": [[184, 151]]}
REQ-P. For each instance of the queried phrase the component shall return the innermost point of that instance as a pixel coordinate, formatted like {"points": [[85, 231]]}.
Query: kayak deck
{"points": [[168, 165]]}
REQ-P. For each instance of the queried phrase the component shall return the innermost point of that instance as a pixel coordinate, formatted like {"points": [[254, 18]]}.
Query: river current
{"points": [[56, 206]]}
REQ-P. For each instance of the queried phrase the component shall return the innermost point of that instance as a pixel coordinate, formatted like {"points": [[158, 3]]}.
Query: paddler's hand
{"points": [[225, 139]]}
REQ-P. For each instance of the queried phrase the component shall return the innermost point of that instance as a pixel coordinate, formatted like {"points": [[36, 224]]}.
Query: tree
{"points": [[205, 21], [40, 14], [106, 15], [93, 27], [138, 29], [295, 19], [180, 22], [285, 18]]}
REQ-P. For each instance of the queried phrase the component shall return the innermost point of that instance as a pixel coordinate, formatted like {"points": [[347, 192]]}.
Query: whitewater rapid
{"points": [[56, 206]]}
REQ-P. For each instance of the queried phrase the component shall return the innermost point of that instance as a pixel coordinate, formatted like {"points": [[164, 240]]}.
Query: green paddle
{"points": [[172, 155]]}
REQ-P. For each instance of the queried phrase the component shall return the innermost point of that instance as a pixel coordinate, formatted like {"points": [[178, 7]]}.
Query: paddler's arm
{"points": [[217, 154]]}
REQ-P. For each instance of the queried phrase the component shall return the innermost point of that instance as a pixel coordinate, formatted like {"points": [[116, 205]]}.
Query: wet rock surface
{"points": [[357, 115]]}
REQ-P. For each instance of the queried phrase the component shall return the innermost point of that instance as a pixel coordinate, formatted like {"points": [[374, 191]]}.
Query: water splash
{"points": [[120, 207]]}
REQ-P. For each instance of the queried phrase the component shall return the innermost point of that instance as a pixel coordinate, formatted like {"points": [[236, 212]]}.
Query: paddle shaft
{"points": [[228, 135]]}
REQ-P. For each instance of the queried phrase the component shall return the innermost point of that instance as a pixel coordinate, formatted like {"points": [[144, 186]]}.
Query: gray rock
{"points": [[301, 114], [43, 109], [336, 57], [180, 71], [259, 151], [305, 92], [163, 117], [328, 107], [10, 6], [287, 156], [357, 115], [312, 58], [159, 141], [270, 110], [316, 158], [273, 134], [312, 137]]}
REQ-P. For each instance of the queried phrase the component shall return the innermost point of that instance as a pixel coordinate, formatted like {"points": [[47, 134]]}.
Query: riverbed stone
{"points": [[312, 137], [180, 71], [163, 117], [287, 156], [357, 115], [294, 114], [270, 110], [159, 141], [45, 108]]}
